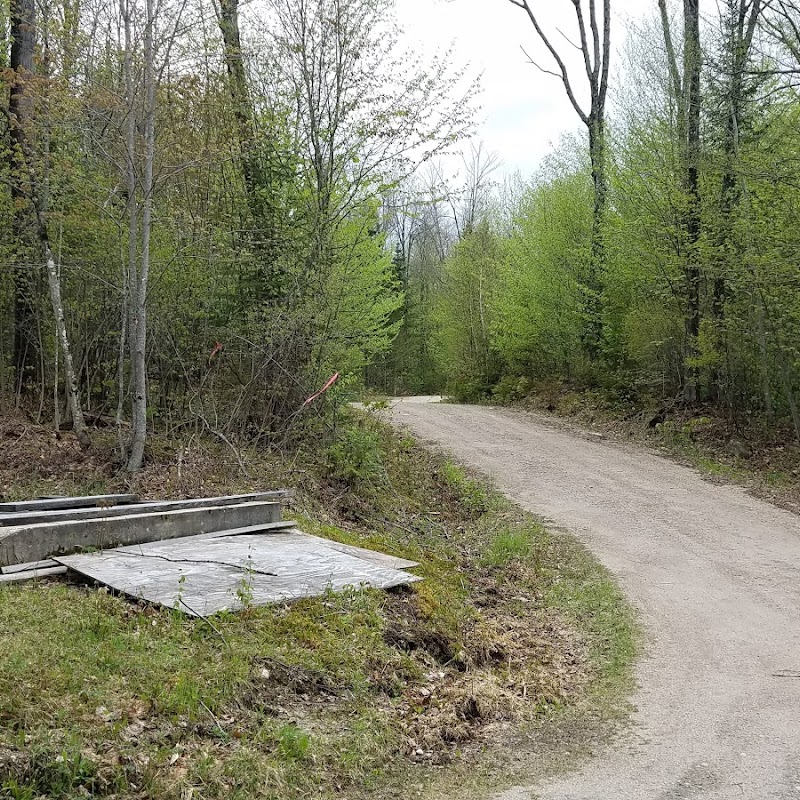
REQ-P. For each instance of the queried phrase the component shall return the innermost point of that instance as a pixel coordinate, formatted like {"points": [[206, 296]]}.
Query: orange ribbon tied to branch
{"points": [[331, 381]]}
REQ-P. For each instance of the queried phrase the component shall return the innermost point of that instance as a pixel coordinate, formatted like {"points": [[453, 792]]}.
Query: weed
{"points": [[474, 497], [13, 790], [177, 606], [356, 456], [244, 588], [293, 743]]}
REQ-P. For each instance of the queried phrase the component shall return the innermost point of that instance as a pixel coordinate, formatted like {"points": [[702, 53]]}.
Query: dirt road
{"points": [[715, 574]]}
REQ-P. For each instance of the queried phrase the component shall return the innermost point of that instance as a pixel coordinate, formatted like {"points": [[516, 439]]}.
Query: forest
{"points": [[191, 207], [210, 211], [653, 256]]}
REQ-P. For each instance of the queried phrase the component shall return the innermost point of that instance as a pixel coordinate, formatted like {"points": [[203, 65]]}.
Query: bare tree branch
{"points": [[538, 66], [568, 40], [562, 74]]}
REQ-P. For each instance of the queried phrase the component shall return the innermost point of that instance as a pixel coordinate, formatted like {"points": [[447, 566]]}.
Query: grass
{"points": [[361, 693], [510, 545]]}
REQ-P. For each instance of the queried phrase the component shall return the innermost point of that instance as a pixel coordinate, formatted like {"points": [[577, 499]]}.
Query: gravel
{"points": [[715, 575]]}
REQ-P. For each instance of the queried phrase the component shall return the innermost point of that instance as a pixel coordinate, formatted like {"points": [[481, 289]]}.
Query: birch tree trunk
{"points": [[32, 196], [139, 287], [73, 393]]}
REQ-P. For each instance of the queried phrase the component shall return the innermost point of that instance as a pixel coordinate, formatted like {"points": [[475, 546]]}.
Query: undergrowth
{"points": [[338, 696]]}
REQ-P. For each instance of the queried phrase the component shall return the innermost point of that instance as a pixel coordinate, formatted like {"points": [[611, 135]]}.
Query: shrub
{"points": [[356, 456]]}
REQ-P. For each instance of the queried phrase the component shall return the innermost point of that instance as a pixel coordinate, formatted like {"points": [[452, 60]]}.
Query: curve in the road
{"points": [[715, 574]]}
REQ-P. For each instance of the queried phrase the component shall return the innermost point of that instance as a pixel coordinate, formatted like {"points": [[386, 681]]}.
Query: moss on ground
{"points": [[345, 695]]}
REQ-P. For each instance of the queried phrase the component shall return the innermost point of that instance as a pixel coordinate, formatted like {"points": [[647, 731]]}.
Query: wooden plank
{"points": [[33, 574], [266, 528], [208, 575], [69, 502], [69, 514], [31, 565]]}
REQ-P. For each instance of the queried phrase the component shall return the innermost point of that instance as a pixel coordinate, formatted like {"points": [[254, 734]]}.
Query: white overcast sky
{"points": [[523, 111]]}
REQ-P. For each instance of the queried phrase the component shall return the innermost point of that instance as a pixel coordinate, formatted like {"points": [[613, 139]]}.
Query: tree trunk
{"points": [[130, 269], [740, 22], [20, 112], [691, 84], [240, 93], [257, 175], [597, 264], [139, 294], [73, 393], [595, 47], [40, 200]]}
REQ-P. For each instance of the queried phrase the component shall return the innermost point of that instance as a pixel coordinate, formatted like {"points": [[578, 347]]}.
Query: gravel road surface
{"points": [[715, 575]]}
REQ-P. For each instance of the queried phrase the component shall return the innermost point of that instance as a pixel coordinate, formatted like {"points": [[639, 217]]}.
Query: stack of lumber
{"points": [[200, 556]]}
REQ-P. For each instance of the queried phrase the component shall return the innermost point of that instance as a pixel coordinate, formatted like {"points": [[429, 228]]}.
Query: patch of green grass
{"points": [[779, 479], [293, 743], [716, 469], [77, 669], [509, 545], [585, 592]]}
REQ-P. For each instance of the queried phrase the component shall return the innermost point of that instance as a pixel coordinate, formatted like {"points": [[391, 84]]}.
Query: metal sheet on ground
{"points": [[205, 576]]}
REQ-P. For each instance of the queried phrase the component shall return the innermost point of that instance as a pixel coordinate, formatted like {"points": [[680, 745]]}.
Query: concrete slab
{"points": [[382, 559], [202, 576], [64, 514], [22, 543], [28, 566], [69, 502], [33, 574]]}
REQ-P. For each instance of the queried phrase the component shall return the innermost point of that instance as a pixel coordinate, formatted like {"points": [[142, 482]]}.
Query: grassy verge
{"points": [[355, 694]]}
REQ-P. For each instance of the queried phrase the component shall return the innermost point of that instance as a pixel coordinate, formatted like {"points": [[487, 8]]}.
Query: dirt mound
{"points": [[48, 459]]}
